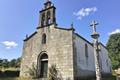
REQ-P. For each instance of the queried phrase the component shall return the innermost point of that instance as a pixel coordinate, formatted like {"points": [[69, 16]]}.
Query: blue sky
{"points": [[20, 17]]}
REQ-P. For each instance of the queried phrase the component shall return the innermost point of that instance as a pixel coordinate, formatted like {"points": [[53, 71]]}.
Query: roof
{"points": [[103, 45], [30, 36], [68, 30], [42, 27], [83, 38], [88, 41]]}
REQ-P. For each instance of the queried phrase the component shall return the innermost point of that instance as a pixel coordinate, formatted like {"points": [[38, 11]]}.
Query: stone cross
{"points": [[93, 24], [95, 36]]}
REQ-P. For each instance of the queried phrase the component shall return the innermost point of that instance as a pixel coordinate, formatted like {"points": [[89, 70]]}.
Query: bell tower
{"points": [[47, 15]]}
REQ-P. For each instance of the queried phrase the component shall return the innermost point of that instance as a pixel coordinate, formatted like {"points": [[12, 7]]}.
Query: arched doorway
{"points": [[43, 65]]}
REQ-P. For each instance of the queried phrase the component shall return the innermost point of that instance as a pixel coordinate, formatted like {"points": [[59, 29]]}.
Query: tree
{"points": [[1, 60], [18, 62], [12, 63], [113, 46], [1, 63], [5, 63]]}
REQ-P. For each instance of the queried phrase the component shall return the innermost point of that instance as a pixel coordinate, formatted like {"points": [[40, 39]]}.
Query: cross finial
{"points": [[93, 24], [27, 36], [72, 24], [47, 0]]}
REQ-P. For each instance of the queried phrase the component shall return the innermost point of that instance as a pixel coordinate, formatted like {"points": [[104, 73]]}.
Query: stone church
{"points": [[51, 45]]}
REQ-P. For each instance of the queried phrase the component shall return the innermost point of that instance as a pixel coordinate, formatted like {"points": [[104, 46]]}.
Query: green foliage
{"points": [[33, 71], [12, 63], [16, 78], [18, 62], [54, 74], [4, 63], [113, 46]]}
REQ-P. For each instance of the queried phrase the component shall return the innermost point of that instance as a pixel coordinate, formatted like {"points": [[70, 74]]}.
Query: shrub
{"points": [[54, 74], [33, 72]]}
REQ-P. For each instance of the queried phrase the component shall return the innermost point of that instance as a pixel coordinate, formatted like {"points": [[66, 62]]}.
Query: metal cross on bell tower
{"points": [[95, 37], [47, 0]]}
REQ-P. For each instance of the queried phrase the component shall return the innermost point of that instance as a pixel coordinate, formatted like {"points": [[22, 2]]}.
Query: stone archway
{"points": [[42, 65]]}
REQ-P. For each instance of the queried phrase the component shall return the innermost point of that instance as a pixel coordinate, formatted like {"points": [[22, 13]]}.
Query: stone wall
{"points": [[84, 65], [58, 47], [66, 50], [105, 62]]}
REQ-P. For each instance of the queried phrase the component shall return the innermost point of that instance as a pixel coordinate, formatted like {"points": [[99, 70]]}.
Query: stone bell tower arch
{"points": [[47, 15]]}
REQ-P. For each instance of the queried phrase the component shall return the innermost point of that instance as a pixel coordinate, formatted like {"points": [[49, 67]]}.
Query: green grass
{"points": [[113, 78], [17, 78], [110, 78], [13, 74], [10, 74], [11, 69], [9, 78]]}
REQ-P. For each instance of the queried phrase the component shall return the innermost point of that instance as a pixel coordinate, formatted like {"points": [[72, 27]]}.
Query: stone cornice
{"points": [[48, 8], [65, 28], [56, 27], [46, 25], [47, 2]]}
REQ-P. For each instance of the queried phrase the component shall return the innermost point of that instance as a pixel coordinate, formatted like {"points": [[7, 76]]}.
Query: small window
{"points": [[86, 50], [43, 19], [48, 17], [107, 62], [44, 39], [49, 21]]}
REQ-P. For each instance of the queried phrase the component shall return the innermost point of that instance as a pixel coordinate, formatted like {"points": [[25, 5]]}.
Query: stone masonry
{"points": [[64, 48]]}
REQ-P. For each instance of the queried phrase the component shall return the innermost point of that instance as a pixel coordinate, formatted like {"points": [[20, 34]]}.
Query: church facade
{"points": [[51, 45]]}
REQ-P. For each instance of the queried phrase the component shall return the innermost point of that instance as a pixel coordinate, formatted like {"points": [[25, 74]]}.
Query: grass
{"points": [[10, 74], [13, 74], [17, 78], [11, 69], [109, 78], [9, 79]]}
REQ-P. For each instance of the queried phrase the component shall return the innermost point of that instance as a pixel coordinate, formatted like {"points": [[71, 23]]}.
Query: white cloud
{"points": [[9, 44], [114, 32], [85, 12]]}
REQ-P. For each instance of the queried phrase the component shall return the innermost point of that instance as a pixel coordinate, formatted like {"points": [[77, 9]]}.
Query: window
{"points": [[49, 21], [44, 65], [48, 17], [86, 50], [44, 39], [107, 62], [43, 19]]}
